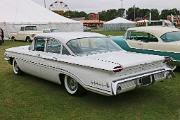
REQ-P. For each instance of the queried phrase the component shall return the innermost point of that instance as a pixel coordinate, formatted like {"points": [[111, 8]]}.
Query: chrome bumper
{"points": [[130, 83], [6, 57]]}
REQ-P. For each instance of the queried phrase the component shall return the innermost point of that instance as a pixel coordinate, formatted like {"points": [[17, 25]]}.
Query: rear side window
{"points": [[141, 36], [22, 29], [39, 44], [65, 51], [53, 46], [30, 28]]}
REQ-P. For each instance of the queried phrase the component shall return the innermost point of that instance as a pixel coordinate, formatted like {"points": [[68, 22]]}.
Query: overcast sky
{"points": [[98, 5]]}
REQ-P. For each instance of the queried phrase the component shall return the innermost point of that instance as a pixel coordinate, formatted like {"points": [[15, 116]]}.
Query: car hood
{"points": [[126, 59]]}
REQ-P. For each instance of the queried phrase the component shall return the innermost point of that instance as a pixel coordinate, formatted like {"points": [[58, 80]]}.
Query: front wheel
{"points": [[13, 38], [16, 69], [72, 86], [28, 39]]}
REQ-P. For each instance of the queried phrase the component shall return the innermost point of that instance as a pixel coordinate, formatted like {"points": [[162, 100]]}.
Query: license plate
{"points": [[159, 76], [145, 81]]}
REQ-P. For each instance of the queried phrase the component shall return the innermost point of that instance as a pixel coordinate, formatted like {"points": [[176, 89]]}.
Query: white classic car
{"points": [[89, 61], [26, 33]]}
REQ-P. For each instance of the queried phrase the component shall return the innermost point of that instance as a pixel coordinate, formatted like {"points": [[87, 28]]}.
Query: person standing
{"points": [[2, 33]]}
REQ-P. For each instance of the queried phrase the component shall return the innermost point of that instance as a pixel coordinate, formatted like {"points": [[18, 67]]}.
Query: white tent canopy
{"points": [[26, 12], [119, 20], [118, 24]]}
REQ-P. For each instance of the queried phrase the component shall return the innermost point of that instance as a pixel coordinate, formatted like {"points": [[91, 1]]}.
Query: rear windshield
{"points": [[171, 36], [94, 45]]}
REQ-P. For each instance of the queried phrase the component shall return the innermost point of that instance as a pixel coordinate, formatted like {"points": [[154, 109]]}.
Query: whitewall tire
{"points": [[72, 86], [16, 69]]}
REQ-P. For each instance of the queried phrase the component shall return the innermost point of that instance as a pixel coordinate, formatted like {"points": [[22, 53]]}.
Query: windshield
{"points": [[88, 46], [171, 36]]}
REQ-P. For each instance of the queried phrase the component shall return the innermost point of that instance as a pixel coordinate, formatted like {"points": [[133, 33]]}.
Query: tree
{"points": [[130, 13], [75, 14], [155, 14], [166, 12], [143, 13]]}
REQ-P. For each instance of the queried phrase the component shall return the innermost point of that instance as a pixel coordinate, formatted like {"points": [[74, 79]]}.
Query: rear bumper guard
{"points": [[130, 83]]}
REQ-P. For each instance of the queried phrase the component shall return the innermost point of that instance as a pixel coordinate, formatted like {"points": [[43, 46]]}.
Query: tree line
{"points": [[133, 13]]}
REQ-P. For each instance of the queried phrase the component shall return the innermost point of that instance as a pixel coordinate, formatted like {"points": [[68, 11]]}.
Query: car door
{"points": [[133, 40], [20, 34], [51, 69], [32, 58]]}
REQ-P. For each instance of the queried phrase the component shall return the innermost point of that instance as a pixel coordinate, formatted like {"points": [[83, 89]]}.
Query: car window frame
{"points": [[34, 42], [22, 29], [73, 54], [140, 40], [50, 38], [165, 34], [63, 46]]}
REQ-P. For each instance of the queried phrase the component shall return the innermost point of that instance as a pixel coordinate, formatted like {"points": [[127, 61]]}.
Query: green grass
{"points": [[115, 33], [29, 98]]}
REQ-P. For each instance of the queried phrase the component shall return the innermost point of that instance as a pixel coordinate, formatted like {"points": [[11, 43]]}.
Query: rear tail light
{"points": [[117, 69]]}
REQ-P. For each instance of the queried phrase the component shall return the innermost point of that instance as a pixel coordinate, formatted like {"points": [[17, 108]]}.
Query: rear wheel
{"points": [[13, 38], [28, 39], [16, 69], [72, 86]]}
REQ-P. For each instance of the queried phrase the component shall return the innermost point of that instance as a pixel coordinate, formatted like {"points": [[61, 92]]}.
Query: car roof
{"points": [[64, 37], [154, 30]]}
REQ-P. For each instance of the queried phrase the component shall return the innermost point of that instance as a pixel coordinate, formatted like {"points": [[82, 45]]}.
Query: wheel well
{"points": [[11, 60], [61, 78], [27, 37], [12, 37]]}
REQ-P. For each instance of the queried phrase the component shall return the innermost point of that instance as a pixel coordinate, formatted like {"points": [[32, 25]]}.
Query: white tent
{"points": [[15, 13], [118, 24]]}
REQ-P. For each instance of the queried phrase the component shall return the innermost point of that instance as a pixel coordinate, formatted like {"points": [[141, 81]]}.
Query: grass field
{"points": [[29, 98], [115, 33]]}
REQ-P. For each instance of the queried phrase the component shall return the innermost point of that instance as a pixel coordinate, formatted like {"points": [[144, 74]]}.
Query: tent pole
{"points": [[45, 3]]}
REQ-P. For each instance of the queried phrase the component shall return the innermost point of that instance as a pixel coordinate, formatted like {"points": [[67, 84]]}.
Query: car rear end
{"points": [[140, 76]]}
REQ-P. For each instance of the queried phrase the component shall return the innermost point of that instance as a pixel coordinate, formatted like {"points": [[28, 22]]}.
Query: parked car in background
{"points": [[163, 41], [91, 61], [164, 23], [51, 30], [26, 33]]}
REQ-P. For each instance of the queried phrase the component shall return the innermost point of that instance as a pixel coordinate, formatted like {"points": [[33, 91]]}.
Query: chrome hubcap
{"points": [[16, 67], [72, 84]]}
